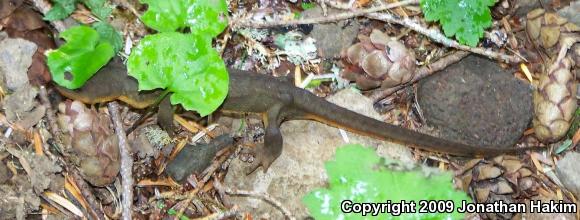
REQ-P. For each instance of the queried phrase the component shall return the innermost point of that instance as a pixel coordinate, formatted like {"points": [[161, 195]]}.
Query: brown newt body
{"points": [[278, 101]]}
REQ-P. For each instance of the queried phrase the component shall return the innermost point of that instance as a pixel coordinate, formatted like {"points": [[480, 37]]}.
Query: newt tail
{"points": [[281, 101]]}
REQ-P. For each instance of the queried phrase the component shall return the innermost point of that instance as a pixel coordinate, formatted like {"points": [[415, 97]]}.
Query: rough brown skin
{"points": [[112, 83], [279, 101]]}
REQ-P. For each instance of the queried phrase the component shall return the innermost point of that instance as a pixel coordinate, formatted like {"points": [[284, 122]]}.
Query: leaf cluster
{"points": [[183, 63], [575, 125], [63, 8], [464, 19], [87, 49], [359, 175]]}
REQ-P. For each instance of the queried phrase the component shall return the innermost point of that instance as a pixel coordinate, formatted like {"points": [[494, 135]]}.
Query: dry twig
{"points": [[567, 43], [332, 18], [126, 161], [50, 114], [262, 196], [372, 13], [220, 215], [438, 37], [422, 73], [85, 190]]}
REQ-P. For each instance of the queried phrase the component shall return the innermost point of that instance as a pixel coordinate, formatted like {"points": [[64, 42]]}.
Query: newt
{"points": [[277, 101]]}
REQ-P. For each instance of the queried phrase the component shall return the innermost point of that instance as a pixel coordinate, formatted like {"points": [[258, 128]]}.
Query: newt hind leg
{"points": [[272, 148]]}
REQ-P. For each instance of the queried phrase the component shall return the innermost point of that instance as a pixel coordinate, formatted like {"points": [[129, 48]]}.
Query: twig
{"points": [[85, 190], [371, 13], [65, 211], [126, 161], [220, 215], [336, 17], [208, 171], [262, 196], [216, 164], [44, 7], [438, 37], [567, 42], [342, 5], [422, 73], [50, 114], [322, 4]]}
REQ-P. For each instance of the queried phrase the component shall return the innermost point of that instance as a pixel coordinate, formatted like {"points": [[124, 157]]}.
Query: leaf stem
{"points": [[148, 111], [161, 97]]}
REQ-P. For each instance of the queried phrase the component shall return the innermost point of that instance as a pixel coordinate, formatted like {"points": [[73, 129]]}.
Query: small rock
{"points": [[4, 173], [18, 198], [525, 6], [331, 37], [297, 48], [568, 170], [300, 168], [148, 141], [195, 158], [7, 7], [140, 144], [19, 102], [571, 12], [31, 118], [15, 59], [476, 102], [42, 170]]}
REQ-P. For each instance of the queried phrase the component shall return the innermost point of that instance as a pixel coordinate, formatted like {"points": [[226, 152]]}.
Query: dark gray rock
{"points": [[332, 37], [476, 102], [195, 158], [4, 173], [571, 12], [568, 171], [525, 6]]}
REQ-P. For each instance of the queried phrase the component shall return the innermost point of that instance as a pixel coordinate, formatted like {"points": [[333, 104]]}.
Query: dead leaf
{"points": [[8, 6], [23, 19]]}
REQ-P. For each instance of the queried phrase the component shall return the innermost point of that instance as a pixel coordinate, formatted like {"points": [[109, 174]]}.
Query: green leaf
{"points": [[109, 34], [60, 9], [574, 125], [185, 64], [174, 212], [314, 83], [83, 54], [99, 8], [357, 174], [201, 16], [208, 17], [307, 6], [165, 16], [466, 19], [563, 146]]}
